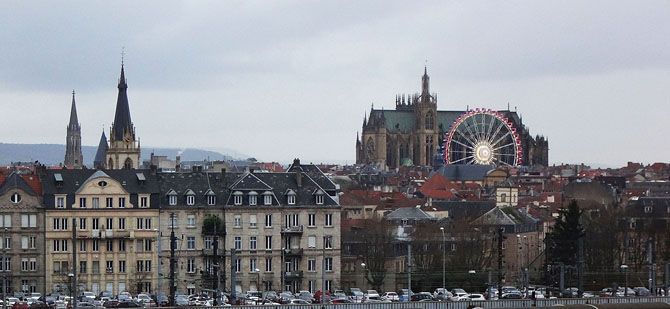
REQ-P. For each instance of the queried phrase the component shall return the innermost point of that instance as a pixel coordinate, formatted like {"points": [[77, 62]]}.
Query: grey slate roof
{"points": [[74, 179], [464, 209], [410, 213], [199, 182], [14, 180], [102, 148], [316, 175], [465, 172]]}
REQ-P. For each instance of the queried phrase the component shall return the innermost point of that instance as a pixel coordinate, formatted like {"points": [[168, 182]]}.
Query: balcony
{"points": [[292, 230], [115, 234], [210, 252], [292, 275], [293, 252]]}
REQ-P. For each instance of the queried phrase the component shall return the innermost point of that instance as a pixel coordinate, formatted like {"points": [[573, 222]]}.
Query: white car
{"points": [[457, 293], [392, 296], [371, 293], [472, 297]]}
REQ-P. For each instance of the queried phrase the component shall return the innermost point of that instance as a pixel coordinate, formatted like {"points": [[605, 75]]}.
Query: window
{"points": [[329, 219], [190, 242], [82, 223], [147, 223], [238, 242], [290, 199], [268, 242], [110, 266], [311, 265], [95, 267], [172, 199], [60, 202], [328, 285], [238, 265], [148, 245], [110, 223], [312, 286], [110, 245], [329, 264], [647, 209], [238, 199], [82, 245], [268, 220], [311, 242], [238, 221], [311, 219], [252, 221], [268, 264], [252, 265], [122, 245], [28, 242], [453, 247], [174, 221], [56, 245], [28, 220], [6, 222], [252, 199], [190, 266], [267, 199], [82, 202], [190, 220], [96, 202], [319, 199], [190, 199], [82, 267], [122, 266], [122, 223], [122, 202], [24, 264], [252, 242], [429, 121], [144, 202], [208, 242], [211, 200], [95, 223], [8, 242], [109, 202], [95, 245]]}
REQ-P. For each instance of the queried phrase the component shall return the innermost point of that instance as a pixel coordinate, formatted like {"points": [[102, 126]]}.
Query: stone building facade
{"points": [[22, 234], [116, 218], [410, 134]]}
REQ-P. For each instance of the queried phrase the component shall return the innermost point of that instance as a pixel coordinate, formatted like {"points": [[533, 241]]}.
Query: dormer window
{"points": [[290, 197], [190, 200], [267, 198], [237, 198], [319, 199], [647, 209], [253, 198], [211, 198], [172, 197]]}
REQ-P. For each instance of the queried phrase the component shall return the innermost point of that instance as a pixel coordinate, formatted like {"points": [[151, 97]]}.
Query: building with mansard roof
{"points": [[412, 133]]}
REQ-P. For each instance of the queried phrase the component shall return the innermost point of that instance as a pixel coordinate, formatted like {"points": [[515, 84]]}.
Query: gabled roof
{"points": [[438, 187], [313, 172], [13, 181], [414, 213], [249, 181]]}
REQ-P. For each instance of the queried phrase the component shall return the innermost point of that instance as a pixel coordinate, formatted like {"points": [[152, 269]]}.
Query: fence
{"points": [[511, 303]]}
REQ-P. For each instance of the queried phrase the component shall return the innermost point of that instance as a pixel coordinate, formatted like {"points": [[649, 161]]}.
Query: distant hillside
{"points": [[53, 154]]}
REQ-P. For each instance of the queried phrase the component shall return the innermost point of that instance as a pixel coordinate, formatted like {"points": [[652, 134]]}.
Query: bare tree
{"points": [[377, 240]]}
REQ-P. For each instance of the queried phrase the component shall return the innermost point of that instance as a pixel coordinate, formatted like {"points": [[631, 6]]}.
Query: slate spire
{"points": [[425, 82], [73, 156], [74, 121], [122, 122], [99, 161]]}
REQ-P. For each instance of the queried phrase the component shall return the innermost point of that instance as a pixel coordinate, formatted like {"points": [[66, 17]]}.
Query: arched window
{"points": [[370, 149], [110, 165], [429, 121], [128, 164]]}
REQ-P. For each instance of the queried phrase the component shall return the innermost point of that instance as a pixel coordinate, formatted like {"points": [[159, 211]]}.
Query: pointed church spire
{"points": [[74, 121], [122, 122], [99, 161], [425, 85]]}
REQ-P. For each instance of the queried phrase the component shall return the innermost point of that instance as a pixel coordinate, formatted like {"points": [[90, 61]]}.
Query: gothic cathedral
{"points": [[73, 156], [413, 132]]}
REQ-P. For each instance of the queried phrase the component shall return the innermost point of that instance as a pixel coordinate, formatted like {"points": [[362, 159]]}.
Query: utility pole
{"points": [[158, 273], [580, 266], [561, 284], [233, 264], [4, 270], [173, 245], [323, 271], [500, 260], [409, 271], [74, 262], [650, 256], [216, 264]]}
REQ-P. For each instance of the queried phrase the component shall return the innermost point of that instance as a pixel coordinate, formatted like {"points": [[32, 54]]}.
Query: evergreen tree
{"points": [[562, 242]]}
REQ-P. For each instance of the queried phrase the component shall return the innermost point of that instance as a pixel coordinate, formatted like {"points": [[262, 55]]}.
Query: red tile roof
{"points": [[34, 182]]}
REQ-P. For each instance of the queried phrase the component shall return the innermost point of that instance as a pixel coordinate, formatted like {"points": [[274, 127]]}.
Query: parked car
{"points": [[404, 294], [128, 304], [473, 297], [441, 294], [641, 291], [112, 303], [20, 305], [457, 293], [39, 305], [512, 295], [392, 296], [85, 305], [181, 301], [423, 296], [59, 304], [298, 301], [306, 296], [341, 301]]}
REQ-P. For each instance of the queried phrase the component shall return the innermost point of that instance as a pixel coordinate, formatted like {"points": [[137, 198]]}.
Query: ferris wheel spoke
{"points": [[503, 146], [464, 145], [462, 159], [500, 125], [488, 132], [506, 154], [466, 138], [500, 139], [467, 127]]}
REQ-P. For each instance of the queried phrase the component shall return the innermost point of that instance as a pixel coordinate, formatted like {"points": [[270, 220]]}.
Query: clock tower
{"points": [[124, 148]]}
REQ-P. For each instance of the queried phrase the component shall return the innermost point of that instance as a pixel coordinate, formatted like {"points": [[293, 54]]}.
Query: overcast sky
{"points": [[284, 79]]}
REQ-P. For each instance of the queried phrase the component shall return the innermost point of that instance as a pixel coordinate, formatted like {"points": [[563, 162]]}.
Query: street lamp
{"points": [[472, 273], [444, 257], [624, 267], [71, 277]]}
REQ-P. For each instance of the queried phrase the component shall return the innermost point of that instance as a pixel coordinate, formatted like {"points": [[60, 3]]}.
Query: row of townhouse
{"points": [[284, 227]]}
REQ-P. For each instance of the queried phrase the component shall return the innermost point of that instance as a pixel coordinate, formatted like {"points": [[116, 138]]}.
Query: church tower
{"points": [[124, 148], [426, 123], [73, 157]]}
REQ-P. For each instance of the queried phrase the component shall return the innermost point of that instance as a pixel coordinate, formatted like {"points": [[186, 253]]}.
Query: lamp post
{"points": [[624, 267], [258, 279], [365, 274], [444, 257], [71, 277], [471, 274]]}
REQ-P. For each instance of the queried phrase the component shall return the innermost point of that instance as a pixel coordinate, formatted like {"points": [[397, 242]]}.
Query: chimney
{"points": [[298, 172], [177, 164], [223, 178]]}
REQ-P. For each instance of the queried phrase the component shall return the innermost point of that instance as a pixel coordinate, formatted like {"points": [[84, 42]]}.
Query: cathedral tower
{"points": [[124, 148], [73, 157]]}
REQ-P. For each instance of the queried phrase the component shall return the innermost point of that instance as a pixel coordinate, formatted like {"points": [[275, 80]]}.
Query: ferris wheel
{"points": [[483, 136]]}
